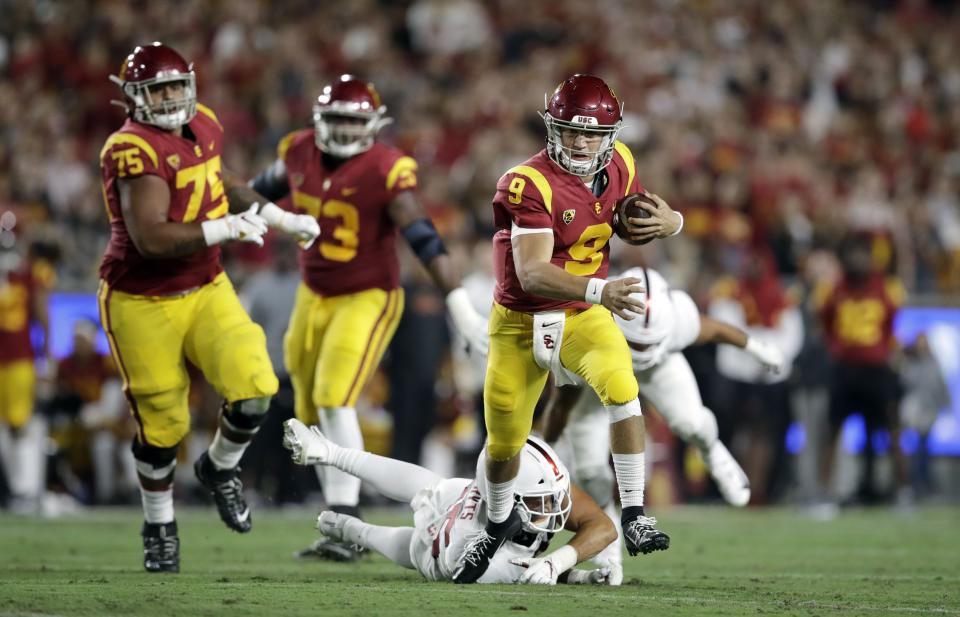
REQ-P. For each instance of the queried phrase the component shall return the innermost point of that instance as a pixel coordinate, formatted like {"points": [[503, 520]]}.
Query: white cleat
{"points": [[331, 524], [308, 446], [732, 482]]}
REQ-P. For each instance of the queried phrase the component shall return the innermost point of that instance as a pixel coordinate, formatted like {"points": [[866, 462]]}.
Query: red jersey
{"points": [[539, 194], [356, 248], [85, 377], [17, 292], [192, 171], [858, 321]]}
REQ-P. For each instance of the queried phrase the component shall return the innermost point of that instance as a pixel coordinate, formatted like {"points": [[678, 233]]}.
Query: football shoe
{"points": [[161, 547], [641, 536], [227, 492]]}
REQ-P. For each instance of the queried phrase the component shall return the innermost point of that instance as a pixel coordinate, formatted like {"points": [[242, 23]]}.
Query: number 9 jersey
{"points": [[538, 195], [192, 170]]}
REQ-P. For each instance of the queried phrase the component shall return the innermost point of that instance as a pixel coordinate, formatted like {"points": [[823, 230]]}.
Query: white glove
{"points": [[766, 354], [608, 575], [469, 322], [246, 227], [303, 227], [545, 570]]}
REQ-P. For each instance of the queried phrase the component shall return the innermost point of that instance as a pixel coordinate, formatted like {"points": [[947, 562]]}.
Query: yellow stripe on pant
{"points": [[593, 347], [333, 345], [17, 381]]}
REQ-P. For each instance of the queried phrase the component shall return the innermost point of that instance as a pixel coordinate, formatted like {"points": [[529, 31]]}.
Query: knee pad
{"points": [[621, 387], [155, 463], [597, 482], [503, 451], [698, 427], [247, 414]]}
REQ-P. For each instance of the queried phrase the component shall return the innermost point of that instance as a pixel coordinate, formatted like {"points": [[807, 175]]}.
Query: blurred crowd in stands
{"points": [[780, 129]]}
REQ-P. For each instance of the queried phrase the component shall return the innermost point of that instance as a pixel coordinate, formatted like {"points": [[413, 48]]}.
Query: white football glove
{"points": [[608, 575], [469, 322], [545, 570], [766, 354], [246, 227], [303, 227]]}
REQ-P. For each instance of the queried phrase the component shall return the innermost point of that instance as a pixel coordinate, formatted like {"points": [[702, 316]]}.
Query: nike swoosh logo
{"points": [[243, 516], [551, 324], [348, 191]]}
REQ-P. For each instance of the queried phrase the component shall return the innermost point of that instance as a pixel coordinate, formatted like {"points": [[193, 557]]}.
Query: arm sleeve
{"points": [[272, 181], [686, 321]]}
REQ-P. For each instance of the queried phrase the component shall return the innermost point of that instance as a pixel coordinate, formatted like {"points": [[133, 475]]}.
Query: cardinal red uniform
{"points": [[536, 196], [350, 302]]}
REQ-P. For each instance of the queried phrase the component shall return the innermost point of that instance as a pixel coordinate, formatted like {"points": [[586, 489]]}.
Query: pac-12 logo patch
{"points": [[568, 215], [297, 179], [174, 161]]}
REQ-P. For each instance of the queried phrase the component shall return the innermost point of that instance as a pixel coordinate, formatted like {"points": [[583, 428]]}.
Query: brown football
{"points": [[628, 207]]}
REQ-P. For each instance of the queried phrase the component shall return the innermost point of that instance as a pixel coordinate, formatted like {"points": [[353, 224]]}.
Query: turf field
{"points": [[722, 562]]}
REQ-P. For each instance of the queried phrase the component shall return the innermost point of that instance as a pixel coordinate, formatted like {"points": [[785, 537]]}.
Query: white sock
{"points": [[225, 454], [389, 477], [341, 426], [500, 500], [157, 505], [391, 542], [631, 473]]}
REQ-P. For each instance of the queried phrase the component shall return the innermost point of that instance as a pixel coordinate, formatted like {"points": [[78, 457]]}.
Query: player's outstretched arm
{"points": [[593, 532], [410, 217], [556, 413], [531, 257], [713, 331], [242, 196], [145, 204]]}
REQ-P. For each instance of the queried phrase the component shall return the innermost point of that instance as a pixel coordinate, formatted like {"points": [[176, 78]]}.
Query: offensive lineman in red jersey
{"points": [[164, 298], [553, 214], [350, 301]]}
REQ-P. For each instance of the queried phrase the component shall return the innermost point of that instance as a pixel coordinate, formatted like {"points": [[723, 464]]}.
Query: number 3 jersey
{"points": [[539, 195], [356, 248], [192, 170]]}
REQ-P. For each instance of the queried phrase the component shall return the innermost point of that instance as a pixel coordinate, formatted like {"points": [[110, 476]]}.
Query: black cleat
{"points": [[482, 547], [641, 536], [330, 550], [227, 492], [161, 547]]}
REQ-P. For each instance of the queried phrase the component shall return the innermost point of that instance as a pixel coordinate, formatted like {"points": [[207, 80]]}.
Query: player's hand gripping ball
{"points": [[629, 207]]}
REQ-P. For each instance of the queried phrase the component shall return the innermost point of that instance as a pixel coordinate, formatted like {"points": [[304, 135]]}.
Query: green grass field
{"points": [[722, 562]]}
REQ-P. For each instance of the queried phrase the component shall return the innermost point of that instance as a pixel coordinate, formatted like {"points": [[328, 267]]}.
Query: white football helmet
{"points": [[542, 489], [648, 334]]}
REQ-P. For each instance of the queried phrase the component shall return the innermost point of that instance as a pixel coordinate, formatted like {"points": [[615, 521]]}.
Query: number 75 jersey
{"points": [[356, 248], [192, 170], [538, 196]]}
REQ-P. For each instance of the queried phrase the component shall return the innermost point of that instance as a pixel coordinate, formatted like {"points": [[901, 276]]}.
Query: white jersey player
{"points": [[449, 514], [671, 323]]}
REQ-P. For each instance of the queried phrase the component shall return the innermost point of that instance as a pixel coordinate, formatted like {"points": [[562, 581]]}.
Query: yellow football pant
{"points": [[593, 347], [151, 338], [333, 345], [17, 380]]}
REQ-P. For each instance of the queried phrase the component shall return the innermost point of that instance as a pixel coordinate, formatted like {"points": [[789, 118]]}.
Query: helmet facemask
{"points": [[167, 114], [343, 129], [545, 511], [566, 157]]}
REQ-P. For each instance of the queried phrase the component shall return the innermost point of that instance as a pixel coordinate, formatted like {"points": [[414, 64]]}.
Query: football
{"points": [[629, 207]]}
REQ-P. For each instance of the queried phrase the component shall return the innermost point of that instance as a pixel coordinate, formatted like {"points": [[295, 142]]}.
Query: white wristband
{"points": [[564, 558], [216, 231], [595, 291], [681, 224], [273, 214]]}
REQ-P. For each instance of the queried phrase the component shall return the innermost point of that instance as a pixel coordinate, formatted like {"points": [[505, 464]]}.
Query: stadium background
{"points": [[778, 128]]}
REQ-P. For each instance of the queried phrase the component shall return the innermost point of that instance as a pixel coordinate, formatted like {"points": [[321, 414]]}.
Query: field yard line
{"points": [[933, 578], [684, 599]]}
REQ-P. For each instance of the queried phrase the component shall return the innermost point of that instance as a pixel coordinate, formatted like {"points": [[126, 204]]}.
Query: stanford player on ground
{"points": [[348, 307]]}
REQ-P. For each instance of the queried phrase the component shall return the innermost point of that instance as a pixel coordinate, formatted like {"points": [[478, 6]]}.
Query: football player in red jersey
{"points": [[164, 297], [350, 302], [24, 292], [553, 215]]}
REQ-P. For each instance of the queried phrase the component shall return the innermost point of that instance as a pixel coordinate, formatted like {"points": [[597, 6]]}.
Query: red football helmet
{"points": [[347, 116], [149, 68], [582, 103]]}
